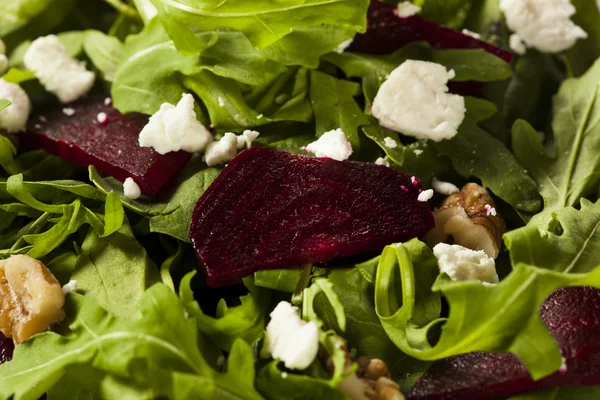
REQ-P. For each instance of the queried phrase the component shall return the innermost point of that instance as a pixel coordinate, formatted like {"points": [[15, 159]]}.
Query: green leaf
{"points": [[18, 76], [284, 280], [4, 104], [506, 317], [474, 152], [8, 152], [262, 22], [452, 13], [245, 321], [585, 51], [104, 51], [159, 349], [562, 393]]}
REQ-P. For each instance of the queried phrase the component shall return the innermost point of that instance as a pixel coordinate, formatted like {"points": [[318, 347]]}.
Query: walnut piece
{"points": [[31, 299], [470, 219]]}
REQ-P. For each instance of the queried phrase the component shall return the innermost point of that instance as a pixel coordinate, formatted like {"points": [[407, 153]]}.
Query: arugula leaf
{"points": [[161, 346], [474, 152], [585, 51], [104, 51], [4, 104], [506, 318], [246, 321], [8, 152], [452, 13], [284, 280], [562, 393], [262, 22]]}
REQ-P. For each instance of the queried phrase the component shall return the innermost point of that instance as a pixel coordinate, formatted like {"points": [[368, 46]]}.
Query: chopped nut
{"points": [[387, 389], [376, 369], [30, 298], [465, 217]]}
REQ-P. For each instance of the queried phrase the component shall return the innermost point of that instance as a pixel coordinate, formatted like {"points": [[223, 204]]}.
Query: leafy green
{"points": [[104, 51], [246, 321], [452, 13], [284, 280], [159, 349], [8, 153], [585, 51], [506, 317], [4, 104], [562, 393]]}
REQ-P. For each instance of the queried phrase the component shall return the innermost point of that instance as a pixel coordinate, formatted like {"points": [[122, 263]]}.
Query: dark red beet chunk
{"points": [[271, 209], [573, 317], [387, 32], [6, 349], [111, 147]]}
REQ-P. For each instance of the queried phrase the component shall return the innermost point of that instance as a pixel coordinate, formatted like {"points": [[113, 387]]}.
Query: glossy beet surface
{"points": [[573, 317], [6, 349], [387, 32], [271, 209], [112, 147]]}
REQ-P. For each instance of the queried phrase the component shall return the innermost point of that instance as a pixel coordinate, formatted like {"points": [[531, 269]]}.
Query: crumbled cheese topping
{"points": [[246, 138], [462, 264], [418, 152], [70, 287], [57, 71], [414, 100], [108, 102], [174, 128], [445, 188], [425, 195], [471, 33], [390, 143], [382, 161], [68, 111], [102, 118], [516, 44], [343, 46], [221, 151], [131, 189], [14, 117], [407, 9], [489, 210], [290, 339], [332, 144], [545, 25]]}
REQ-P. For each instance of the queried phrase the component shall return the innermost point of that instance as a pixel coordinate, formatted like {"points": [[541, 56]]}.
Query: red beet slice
{"points": [[387, 32], [573, 317], [111, 147], [6, 349], [272, 209]]}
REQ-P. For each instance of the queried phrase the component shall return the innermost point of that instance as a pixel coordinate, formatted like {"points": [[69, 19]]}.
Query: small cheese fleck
{"points": [[445, 188], [14, 117], [246, 138], [545, 25], [474, 35], [407, 9], [390, 143], [516, 44], [68, 111], [102, 118], [462, 264], [332, 144], [70, 287], [221, 151], [343, 46], [290, 339], [221, 101], [489, 210], [425, 195], [131, 189], [108, 102], [418, 152], [415, 101], [382, 161], [57, 71], [174, 128]]}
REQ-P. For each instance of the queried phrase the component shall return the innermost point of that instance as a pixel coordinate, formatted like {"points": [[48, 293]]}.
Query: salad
{"points": [[299, 199]]}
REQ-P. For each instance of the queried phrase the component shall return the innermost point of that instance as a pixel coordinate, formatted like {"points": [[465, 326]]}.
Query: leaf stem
{"points": [[124, 9]]}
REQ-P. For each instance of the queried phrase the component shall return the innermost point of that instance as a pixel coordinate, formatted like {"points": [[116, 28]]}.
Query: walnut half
{"points": [[470, 218], [31, 299]]}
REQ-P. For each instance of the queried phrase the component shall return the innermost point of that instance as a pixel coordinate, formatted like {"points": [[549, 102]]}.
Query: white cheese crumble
{"points": [[474, 35], [108, 102], [425, 195], [516, 44], [290, 339], [332, 144], [407, 9], [102, 118], [221, 151], [462, 264], [57, 71], [390, 143], [131, 189], [545, 25], [489, 210], [415, 101], [174, 128], [246, 138], [382, 161], [70, 287], [343, 46], [418, 152], [14, 117], [445, 188], [68, 111]]}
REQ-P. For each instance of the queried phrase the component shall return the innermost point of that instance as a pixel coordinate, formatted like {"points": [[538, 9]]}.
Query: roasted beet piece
{"points": [[6, 349], [572, 315], [387, 32], [271, 209], [112, 147]]}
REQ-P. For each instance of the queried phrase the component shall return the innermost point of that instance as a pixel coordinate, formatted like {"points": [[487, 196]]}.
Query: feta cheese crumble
{"points": [[516, 44], [382, 161], [425, 195], [102, 118], [332, 144], [14, 117], [290, 339], [407, 9], [108, 102], [445, 188], [462, 264], [246, 138], [174, 128], [414, 100], [69, 112], [131, 189], [489, 210], [474, 35], [57, 71], [390, 143], [70, 287], [343, 46], [545, 25], [221, 151]]}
